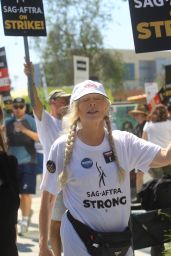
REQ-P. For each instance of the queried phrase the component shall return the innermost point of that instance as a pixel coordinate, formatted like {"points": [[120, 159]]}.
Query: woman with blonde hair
{"points": [[9, 198], [91, 165]]}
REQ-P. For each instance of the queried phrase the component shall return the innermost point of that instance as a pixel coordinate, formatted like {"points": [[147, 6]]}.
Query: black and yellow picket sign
{"points": [[151, 24], [23, 18]]}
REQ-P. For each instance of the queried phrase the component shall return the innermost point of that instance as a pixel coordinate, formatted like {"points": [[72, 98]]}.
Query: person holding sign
{"points": [[91, 165], [52, 122]]}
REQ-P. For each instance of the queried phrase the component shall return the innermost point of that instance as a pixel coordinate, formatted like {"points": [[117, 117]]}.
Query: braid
{"points": [[121, 171], [68, 152]]}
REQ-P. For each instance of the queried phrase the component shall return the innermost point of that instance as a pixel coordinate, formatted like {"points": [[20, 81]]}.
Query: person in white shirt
{"points": [[49, 127], [158, 131], [91, 165]]}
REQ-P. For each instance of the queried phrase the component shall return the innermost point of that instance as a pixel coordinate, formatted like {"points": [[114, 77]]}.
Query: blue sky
{"points": [[119, 36]]}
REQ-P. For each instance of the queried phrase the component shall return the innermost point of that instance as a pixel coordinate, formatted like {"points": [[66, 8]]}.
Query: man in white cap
{"points": [[49, 126]]}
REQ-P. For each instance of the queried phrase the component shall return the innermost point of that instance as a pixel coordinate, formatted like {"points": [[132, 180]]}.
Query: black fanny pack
{"points": [[102, 243]]}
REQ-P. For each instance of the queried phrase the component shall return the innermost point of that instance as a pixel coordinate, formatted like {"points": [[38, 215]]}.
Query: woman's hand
{"points": [[29, 69]]}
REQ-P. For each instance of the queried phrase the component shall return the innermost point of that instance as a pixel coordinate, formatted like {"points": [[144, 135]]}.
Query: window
{"points": [[147, 71], [129, 73]]}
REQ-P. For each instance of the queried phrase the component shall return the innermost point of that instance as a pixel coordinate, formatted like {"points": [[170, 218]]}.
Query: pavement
{"points": [[28, 245]]}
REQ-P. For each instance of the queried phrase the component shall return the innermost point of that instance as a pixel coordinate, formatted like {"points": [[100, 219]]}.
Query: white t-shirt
{"points": [[39, 147], [93, 193], [48, 129], [158, 132]]}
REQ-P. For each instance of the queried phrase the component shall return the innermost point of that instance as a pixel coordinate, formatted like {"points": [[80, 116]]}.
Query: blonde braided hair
{"points": [[63, 176], [121, 171], [72, 121]]}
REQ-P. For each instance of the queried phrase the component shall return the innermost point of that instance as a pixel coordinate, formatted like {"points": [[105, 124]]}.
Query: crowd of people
{"points": [[85, 171]]}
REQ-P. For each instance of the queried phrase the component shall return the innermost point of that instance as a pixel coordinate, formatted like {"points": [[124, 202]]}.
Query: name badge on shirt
{"points": [[109, 156]]}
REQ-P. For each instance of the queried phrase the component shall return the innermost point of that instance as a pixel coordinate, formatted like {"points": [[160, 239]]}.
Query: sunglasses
{"points": [[18, 106]]}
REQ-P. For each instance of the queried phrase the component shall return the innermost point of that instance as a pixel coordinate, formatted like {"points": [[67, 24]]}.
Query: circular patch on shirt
{"points": [[86, 163], [51, 167]]}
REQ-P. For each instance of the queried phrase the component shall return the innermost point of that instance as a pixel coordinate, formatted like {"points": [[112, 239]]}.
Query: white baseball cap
{"points": [[85, 88]]}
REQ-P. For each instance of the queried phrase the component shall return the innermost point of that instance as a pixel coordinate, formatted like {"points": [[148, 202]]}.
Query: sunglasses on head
{"points": [[18, 106]]}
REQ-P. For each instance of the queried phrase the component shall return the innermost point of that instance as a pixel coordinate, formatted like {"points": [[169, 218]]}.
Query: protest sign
{"points": [[4, 76], [150, 89], [23, 18], [151, 24]]}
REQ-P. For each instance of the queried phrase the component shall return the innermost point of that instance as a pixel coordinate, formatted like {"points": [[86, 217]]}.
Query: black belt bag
{"points": [[102, 243]]}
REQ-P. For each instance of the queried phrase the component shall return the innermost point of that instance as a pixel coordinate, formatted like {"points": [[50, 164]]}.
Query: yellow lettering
{"points": [[157, 27], [38, 25], [7, 24], [23, 17], [10, 24], [145, 33], [42, 23], [24, 24], [20, 25], [146, 30], [14, 24], [30, 25], [168, 27]]}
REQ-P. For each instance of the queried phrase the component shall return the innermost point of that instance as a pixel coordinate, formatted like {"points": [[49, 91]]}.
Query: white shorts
{"points": [[59, 208]]}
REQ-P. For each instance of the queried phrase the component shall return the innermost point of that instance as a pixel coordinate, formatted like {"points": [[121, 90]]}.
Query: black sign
{"points": [[23, 18], [151, 24], [4, 76], [81, 65], [167, 75], [3, 60], [166, 96]]}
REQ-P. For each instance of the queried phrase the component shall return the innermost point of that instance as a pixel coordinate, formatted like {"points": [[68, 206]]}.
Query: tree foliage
{"points": [[111, 69], [75, 28]]}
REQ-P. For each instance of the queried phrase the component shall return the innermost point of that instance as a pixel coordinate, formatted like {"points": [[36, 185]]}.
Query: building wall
{"points": [[146, 67]]}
